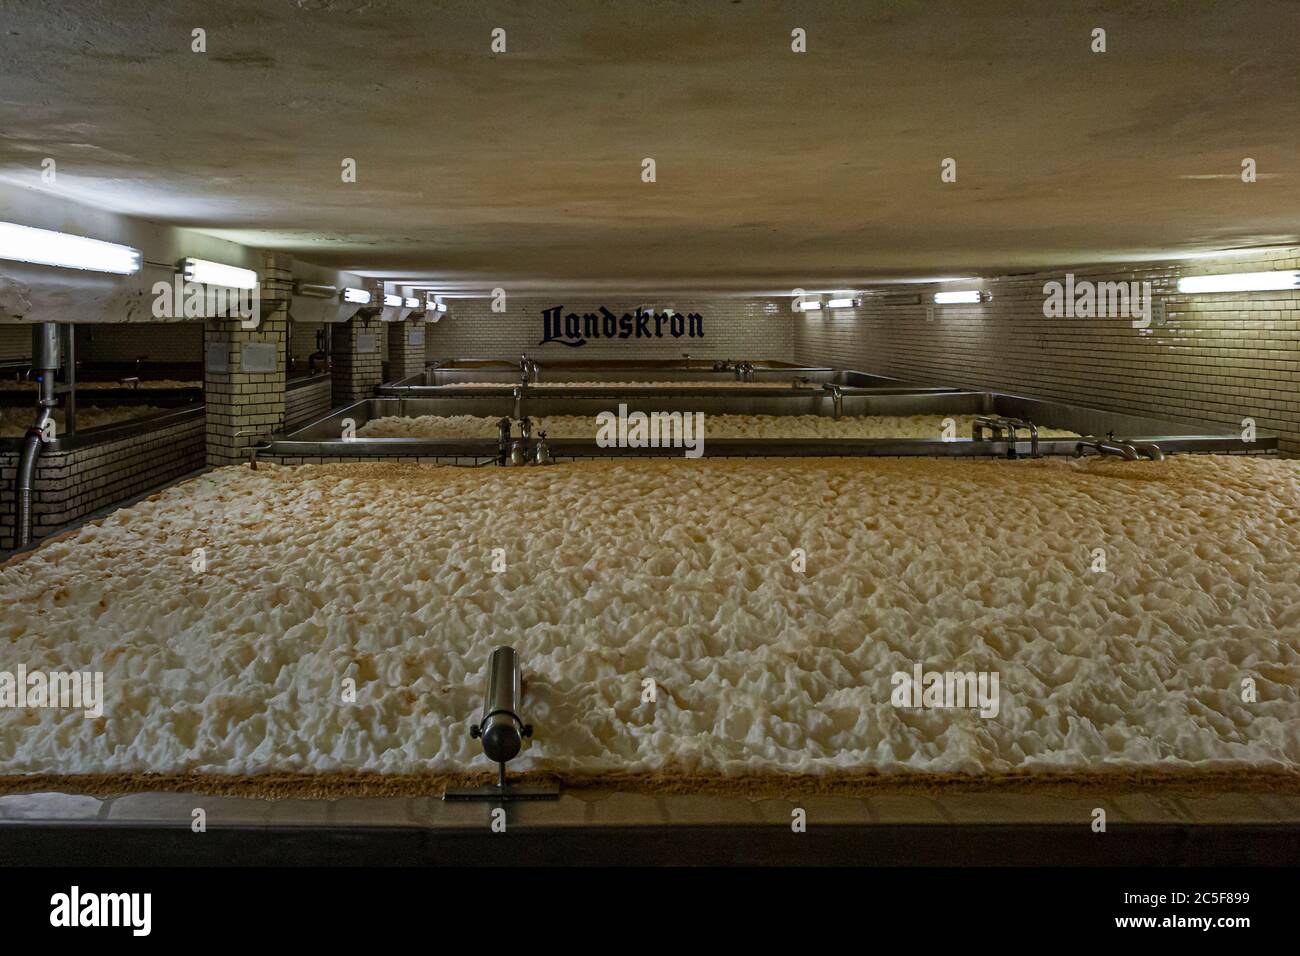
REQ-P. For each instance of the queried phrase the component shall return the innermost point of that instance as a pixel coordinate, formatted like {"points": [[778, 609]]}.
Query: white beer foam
{"points": [[679, 571]]}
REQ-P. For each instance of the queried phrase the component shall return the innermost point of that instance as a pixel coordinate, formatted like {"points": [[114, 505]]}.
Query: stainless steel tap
{"points": [[543, 454], [837, 399], [519, 450]]}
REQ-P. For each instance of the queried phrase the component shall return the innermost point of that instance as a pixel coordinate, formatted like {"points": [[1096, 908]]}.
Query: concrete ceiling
{"points": [[774, 169]]}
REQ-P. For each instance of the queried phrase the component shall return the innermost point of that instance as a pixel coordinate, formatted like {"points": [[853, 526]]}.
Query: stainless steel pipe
{"points": [[502, 733], [500, 729], [1106, 446], [45, 358], [837, 399]]}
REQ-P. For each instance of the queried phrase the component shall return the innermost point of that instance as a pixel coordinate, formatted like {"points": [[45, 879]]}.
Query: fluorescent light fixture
{"points": [[957, 298], [356, 296], [430, 301], [1242, 282], [204, 272], [412, 303], [841, 303], [442, 306], [393, 300], [316, 291], [811, 305], [45, 247]]}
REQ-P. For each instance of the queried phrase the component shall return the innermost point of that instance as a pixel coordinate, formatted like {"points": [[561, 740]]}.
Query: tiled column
{"points": [[357, 349], [405, 348], [243, 379]]}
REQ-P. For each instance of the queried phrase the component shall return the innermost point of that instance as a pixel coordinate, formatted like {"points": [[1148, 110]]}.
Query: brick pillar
{"points": [[243, 379], [405, 348], [357, 350]]}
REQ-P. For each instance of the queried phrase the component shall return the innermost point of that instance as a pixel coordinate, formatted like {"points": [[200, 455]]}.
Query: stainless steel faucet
{"points": [[837, 399], [1119, 448], [543, 454], [519, 450]]}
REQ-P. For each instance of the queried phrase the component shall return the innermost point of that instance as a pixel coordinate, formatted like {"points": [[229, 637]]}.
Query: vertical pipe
{"points": [[70, 378], [45, 358]]}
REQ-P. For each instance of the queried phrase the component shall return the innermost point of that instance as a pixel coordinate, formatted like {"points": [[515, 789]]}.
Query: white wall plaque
{"points": [[216, 357], [258, 357]]}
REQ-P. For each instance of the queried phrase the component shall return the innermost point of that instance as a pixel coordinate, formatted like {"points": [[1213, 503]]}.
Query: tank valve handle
{"points": [[542, 456]]}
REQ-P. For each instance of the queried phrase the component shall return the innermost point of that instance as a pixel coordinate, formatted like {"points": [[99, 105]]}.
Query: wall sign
{"points": [[415, 336], [216, 357], [367, 342], [576, 330], [259, 357]]}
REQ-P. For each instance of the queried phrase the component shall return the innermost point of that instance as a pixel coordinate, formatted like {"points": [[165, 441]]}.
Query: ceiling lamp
{"points": [[44, 247], [1242, 282], [204, 272]]}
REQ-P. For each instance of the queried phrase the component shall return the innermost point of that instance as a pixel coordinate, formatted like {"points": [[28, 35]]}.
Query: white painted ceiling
{"points": [[774, 169]]}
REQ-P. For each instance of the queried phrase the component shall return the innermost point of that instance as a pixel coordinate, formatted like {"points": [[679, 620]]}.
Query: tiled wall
{"points": [[72, 484], [302, 340], [305, 400], [15, 343], [405, 349], [357, 351], [127, 341], [1215, 358], [733, 328], [243, 407], [117, 342]]}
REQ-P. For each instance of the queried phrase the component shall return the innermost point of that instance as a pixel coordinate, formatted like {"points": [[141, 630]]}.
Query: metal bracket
{"points": [[503, 790]]}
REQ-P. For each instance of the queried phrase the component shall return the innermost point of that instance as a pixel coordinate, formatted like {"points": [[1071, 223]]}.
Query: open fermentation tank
{"points": [[547, 372], [323, 438]]}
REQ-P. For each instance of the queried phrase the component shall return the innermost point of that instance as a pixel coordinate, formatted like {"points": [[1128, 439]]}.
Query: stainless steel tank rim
{"points": [[494, 390], [743, 447], [117, 431], [694, 365]]}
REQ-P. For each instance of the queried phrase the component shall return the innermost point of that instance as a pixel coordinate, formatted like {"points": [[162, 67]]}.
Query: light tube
{"points": [[841, 303], [45, 247], [1242, 282], [412, 303], [393, 300], [957, 298], [203, 272], [356, 296]]}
